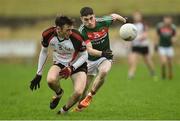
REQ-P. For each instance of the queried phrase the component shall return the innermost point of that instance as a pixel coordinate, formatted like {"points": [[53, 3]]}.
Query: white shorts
{"points": [[166, 51], [93, 66]]}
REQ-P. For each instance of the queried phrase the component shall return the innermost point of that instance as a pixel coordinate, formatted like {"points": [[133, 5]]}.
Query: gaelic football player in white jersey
{"points": [[69, 57], [140, 47]]}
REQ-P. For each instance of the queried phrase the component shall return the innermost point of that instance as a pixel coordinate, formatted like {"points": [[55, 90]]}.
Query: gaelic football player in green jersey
{"points": [[166, 31], [96, 36]]}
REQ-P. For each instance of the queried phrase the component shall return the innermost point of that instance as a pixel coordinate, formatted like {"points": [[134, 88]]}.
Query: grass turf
{"points": [[141, 98]]}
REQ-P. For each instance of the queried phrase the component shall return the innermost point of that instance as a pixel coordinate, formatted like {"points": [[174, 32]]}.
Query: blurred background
{"points": [[25, 20], [21, 25]]}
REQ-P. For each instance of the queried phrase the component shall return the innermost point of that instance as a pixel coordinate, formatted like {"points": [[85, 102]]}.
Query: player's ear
{"points": [[61, 28], [81, 18], [57, 27]]}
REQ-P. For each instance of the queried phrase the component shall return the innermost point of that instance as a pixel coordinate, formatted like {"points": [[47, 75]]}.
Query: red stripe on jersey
{"points": [[77, 36], [50, 38], [98, 34], [87, 41], [166, 30], [50, 30], [74, 56], [49, 34]]}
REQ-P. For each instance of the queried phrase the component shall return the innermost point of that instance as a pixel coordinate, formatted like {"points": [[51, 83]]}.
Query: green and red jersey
{"points": [[165, 34], [98, 36]]}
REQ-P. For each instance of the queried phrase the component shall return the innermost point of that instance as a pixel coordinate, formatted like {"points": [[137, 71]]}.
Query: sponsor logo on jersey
{"points": [[166, 31], [95, 36]]}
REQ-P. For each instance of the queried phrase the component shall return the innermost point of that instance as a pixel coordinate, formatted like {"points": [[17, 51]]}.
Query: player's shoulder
{"points": [[160, 25], [49, 31], [173, 26], [76, 35], [47, 35], [82, 28]]}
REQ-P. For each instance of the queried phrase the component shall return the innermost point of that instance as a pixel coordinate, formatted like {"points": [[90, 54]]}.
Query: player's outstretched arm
{"points": [[118, 17], [35, 83], [92, 51], [106, 53], [174, 36]]}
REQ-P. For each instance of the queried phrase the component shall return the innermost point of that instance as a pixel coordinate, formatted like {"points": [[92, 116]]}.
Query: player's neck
{"points": [[61, 36]]}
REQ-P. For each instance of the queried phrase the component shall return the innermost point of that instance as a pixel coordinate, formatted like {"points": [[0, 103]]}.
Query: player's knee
{"points": [[164, 62], [51, 79], [103, 73], [78, 92]]}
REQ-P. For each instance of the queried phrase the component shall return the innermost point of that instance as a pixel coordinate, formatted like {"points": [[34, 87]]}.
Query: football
{"points": [[128, 32]]}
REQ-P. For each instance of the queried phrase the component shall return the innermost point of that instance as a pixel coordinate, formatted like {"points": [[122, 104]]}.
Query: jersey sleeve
{"points": [[84, 34], [78, 41], [174, 30], [47, 35], [158, 27], [106, 20]]}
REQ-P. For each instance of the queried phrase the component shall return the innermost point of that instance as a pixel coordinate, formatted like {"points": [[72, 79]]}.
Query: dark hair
{"points": [[85, 11], [62, 20], [167, 16]]}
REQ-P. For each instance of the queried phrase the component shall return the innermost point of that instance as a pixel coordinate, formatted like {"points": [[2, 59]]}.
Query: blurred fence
{"points": [[18, 48], [27, 48], [152, 20]]}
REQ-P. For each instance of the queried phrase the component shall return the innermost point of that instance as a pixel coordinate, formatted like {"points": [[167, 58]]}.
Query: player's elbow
{"points": [[85, 55], [91, 51], [44, 49]]}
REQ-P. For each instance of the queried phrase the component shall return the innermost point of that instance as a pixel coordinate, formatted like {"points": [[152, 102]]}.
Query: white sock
{"points": [[90, 94]]}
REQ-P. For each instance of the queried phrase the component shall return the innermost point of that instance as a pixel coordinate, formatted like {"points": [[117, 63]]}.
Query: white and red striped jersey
{"points": [[65, 51]]}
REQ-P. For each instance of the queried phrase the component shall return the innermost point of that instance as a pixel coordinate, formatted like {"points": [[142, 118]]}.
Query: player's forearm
{"points": [[94, 52], [173, 39], [42, 59], [82, 59], [118, 17]]}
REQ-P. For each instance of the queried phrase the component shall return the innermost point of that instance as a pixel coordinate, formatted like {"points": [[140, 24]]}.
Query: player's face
{"points": [[167, 21], [89, 21], [64, 31], [137, 17]]}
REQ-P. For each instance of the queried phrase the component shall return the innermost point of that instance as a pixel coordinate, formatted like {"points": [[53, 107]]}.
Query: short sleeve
{"points": [[78, 41], [174, 30], [108, 20], [83, 33], [47, 35], [158, 27]]}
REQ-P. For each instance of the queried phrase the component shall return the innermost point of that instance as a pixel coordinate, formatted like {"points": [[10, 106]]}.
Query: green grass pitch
{"points": [[141, 98]]}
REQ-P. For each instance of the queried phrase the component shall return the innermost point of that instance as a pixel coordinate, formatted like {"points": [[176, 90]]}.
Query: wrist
{"points": [[123, 19], [102, 53], [72, 68], [39, 74]]}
